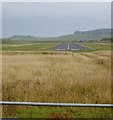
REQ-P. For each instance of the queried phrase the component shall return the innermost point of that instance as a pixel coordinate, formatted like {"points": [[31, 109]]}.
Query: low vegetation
{"points": [[27, 47], [63, 77], [98, 45], [44, 46]]}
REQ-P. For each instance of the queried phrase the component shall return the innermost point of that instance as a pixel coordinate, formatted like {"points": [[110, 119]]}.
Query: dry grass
{"points": [[72, 77]]}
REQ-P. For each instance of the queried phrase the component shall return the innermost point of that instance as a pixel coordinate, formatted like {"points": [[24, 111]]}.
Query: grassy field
{"points": [[98, 45], [44, 46], [64, 77], [27, 47]]}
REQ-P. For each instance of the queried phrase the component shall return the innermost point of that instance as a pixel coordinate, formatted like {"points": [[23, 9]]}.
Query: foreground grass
{"points": [[57, 112], [66, 77]]}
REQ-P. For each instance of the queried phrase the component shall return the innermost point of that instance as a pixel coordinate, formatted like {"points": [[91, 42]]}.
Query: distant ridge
{"points": [[23, 37], [98, 34]]}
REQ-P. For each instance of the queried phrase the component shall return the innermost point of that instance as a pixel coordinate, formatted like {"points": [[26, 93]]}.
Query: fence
{"points": [[56, 104]]}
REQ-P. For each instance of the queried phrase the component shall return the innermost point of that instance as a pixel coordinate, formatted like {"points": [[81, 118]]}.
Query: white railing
{"points": [[56, 104]]}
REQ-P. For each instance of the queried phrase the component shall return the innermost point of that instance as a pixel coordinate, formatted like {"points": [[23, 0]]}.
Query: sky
{"points": [[50, 19]]}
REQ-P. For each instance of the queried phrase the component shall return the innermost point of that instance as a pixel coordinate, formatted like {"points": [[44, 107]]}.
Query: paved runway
{"points": [[69, 46]]}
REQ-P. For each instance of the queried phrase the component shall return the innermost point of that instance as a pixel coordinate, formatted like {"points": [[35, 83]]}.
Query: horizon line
{"points": [[53, 36]]}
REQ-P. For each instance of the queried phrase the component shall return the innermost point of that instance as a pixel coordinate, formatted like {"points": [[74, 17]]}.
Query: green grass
{"points": [[33, 47], [60, 112], [97, 46], [44, 46]]}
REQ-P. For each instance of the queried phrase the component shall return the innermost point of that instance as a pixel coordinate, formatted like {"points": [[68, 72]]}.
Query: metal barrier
{"points": [[56, 104]]}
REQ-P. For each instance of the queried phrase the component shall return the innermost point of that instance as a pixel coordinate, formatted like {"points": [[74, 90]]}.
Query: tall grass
{"points": [[72, 77]]}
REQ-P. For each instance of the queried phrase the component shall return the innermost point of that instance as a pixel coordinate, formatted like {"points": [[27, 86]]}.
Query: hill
{"points": [[92, 35], [98, 34]]}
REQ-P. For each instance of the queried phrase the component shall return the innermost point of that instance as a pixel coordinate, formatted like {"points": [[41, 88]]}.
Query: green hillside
{"points": [[92, 35]]}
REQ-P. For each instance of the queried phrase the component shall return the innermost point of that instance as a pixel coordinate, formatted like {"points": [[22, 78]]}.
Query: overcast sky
{"points": [[53, 19]]}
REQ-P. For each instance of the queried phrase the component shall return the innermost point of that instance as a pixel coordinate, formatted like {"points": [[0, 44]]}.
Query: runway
{"points": [[69, 47]]}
